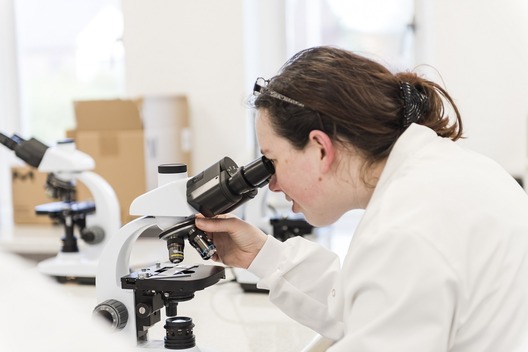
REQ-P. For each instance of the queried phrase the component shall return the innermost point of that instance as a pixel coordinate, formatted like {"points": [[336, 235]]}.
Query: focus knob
{"points": [[93, 234], [113, 312]]}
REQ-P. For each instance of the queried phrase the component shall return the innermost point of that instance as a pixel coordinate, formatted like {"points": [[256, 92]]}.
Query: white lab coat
{"points": [[439, 261]]}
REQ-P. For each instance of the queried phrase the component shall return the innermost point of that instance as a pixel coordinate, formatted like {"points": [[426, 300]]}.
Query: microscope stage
{"points": [[85, 207], [169, 277]]}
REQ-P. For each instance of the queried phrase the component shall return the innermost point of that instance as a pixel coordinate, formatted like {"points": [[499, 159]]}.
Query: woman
{"points": [[439, 260]]}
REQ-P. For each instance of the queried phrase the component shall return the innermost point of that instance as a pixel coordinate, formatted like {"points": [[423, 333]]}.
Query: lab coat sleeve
{"points": [[300, 275]]}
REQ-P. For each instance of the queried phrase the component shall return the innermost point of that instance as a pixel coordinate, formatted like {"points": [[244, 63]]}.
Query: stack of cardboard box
{"points": [[111, 132], [128, 139]]}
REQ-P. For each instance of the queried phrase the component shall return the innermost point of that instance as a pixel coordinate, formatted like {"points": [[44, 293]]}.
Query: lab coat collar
{"points": [[414, 141]]}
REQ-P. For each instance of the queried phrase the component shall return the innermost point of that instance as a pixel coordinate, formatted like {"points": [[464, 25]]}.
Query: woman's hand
{"points": [[237, 242]]}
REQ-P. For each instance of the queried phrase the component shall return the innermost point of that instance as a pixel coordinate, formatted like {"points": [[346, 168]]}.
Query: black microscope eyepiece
{"points": [[7, 141], [224, 186], [31, 151]]}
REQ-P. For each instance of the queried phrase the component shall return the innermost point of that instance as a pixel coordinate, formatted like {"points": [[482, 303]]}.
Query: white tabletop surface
{"points": [[226, 318]]}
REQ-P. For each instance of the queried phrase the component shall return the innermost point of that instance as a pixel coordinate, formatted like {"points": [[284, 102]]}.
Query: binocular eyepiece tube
{"points": [[224, 186], [254, 175]]}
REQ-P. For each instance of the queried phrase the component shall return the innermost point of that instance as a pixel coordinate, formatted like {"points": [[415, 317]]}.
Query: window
{"points": [[380, 29], [67, 50]]}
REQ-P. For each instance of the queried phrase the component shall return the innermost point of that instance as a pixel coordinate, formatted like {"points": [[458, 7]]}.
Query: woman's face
{"points": [[323, 181], [297, 173]]}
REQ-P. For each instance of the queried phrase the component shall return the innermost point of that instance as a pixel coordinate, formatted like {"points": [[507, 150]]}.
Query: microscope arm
{"points": [[115, 257], [107, 204], [114, 264]]}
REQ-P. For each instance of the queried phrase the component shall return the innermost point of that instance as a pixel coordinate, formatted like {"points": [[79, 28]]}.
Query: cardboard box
{"points": [[111, 132], [28, 187], [128, 139]]}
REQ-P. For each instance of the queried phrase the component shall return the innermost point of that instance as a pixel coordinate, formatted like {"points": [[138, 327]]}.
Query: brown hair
{"points": [[353, 99]]}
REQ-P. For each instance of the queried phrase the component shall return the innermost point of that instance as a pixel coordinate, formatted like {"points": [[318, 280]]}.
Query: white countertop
{"points": [[226, 318]]}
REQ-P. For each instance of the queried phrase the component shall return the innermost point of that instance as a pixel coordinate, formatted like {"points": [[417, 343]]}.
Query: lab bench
{"points": [[226, 318]]}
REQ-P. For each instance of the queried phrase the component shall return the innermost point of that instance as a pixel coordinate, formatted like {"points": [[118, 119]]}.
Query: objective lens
{"points": [[199, 240], [175, 245]]}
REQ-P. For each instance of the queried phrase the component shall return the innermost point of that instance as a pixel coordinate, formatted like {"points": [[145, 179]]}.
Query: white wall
{"points": [[202, 49], [193, 48], [212, 50], [480, 49]]}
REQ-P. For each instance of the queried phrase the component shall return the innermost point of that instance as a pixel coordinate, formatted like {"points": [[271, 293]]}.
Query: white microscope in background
{"points": [[132, 302], [97, 221]]}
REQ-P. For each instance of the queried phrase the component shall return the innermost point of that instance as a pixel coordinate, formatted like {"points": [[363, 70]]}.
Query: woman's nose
{"points": [[273, 184]]}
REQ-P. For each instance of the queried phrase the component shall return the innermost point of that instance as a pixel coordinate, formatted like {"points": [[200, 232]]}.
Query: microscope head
{"points": [[219, 189], [62, 162], [31, 151], [224, 186], [61, 159]]}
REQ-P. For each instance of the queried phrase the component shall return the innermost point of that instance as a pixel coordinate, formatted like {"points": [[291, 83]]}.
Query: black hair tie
{"points": [[414, 103]]}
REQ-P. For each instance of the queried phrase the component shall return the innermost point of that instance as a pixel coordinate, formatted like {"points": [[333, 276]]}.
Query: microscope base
{"points": [[157, 346], [70, 267]]}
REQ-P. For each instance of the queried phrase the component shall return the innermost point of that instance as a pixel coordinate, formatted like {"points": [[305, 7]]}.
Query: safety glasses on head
{"points": [[261, 87]]}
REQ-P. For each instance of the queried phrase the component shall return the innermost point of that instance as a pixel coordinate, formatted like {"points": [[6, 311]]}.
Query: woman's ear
{"points": [[326, 148]]}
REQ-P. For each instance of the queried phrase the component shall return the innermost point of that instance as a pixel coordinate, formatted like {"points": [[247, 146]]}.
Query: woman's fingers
{"points": [[217, 224]]}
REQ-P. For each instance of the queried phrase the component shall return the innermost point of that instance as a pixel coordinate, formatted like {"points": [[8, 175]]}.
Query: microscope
{"points": [[95, 220], [132, 302]]}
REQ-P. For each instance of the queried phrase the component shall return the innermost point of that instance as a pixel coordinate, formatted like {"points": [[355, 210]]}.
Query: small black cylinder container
{"points": [[176, 168], [179, 333]]}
